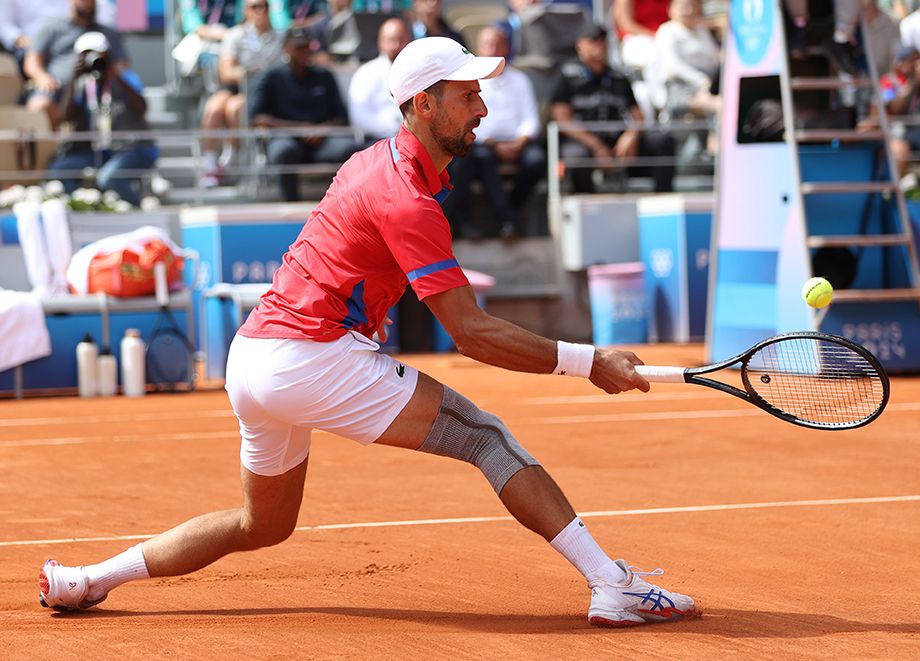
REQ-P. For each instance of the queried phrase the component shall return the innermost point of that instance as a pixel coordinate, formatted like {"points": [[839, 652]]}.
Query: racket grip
{"points": [[661, 373], [161, 284]]}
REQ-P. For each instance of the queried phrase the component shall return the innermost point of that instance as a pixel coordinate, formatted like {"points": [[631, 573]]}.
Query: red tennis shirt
{"points": [[379, 227]]}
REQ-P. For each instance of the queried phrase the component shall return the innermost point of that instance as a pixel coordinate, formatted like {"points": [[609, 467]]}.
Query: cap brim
{"points": [[478, 68]]}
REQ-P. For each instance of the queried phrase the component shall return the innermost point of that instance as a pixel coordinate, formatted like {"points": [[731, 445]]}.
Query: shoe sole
{"points": [[649, 618]]}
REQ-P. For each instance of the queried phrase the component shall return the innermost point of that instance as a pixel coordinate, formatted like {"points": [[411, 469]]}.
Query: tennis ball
{"points": [[817, 292]]}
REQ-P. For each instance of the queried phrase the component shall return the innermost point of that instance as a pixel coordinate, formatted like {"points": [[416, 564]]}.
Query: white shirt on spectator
{"points": [[25, 17], [687, 55], [512, 105], [910, 29], [370, 108]]}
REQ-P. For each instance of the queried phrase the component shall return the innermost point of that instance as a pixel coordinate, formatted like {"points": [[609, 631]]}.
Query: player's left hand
{"points": [[382, 332]]}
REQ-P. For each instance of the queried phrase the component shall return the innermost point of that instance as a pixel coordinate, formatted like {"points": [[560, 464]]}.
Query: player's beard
{"points": [[452, 141]]}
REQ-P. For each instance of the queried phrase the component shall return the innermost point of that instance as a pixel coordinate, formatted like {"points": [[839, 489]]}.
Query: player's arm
{"points": [[494, 341]]}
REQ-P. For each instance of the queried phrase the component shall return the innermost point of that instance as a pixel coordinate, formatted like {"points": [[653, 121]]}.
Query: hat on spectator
{"points": [[904, 53], [297, 35], [592, 31], [431, 59], [91, 41]]}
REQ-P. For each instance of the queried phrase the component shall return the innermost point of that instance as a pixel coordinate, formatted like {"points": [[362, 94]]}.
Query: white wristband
{"points": [[574, 359]]}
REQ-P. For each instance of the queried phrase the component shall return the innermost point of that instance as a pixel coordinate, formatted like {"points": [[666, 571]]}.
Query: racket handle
{"points": [[162, 286], [662, 373]]}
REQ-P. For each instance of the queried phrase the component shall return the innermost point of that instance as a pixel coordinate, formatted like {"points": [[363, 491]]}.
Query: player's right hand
{"points": [[615, 371]]}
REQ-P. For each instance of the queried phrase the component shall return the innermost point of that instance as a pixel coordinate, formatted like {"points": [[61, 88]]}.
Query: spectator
{"points": [[20, 21], [596, 92], [382, 6], [100, 97], [636, 22], [884, 36], [247, 49], [295, 95], [287, 13], [334, 32], [901, 97], [205, 23], [50, 59], [512, 25], [369, 104], [508, 134], [841, 45], [688, 60], [428, 21]]}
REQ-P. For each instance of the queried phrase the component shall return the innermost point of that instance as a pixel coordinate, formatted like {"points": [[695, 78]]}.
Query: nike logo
{"points": [[400, 370]]}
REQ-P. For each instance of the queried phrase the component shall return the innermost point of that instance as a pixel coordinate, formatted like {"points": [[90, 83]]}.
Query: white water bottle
{"points": [[87, 352], [106, 373], [133, 351]]}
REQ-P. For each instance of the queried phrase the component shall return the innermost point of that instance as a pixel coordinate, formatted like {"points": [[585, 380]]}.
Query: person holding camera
{"points": [[50, 57], [107, 100]]}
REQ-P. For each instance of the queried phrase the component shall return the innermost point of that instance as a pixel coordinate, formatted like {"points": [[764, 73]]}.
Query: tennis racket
{"points": [[810, 379], [170, 355]]}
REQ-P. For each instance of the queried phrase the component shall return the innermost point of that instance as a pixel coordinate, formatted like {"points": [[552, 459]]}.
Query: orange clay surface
{"points": [[796, 543]]}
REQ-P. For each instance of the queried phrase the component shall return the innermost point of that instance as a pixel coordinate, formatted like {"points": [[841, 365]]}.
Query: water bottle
{"points": [[87, 353], [106, 373], [133, 351]]}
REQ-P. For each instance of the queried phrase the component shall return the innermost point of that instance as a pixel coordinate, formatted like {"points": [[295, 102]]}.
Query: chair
{"points": [[10, 81], [548, 34], [482, 11], [25, 153]]}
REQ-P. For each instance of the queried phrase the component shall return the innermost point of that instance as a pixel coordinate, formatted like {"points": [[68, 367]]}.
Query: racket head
{"points": [[170, 358], [816, 380]]}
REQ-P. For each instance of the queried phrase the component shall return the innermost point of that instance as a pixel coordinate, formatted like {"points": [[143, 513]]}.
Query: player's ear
{"points": [[421, 103]]}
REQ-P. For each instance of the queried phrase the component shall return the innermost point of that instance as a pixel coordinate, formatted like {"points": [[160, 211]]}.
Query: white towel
{"points": [[57, 241], [23, 329], [32, 239]]}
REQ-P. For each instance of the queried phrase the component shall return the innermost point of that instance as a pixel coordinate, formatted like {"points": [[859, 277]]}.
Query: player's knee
{"points": [[464, 431], [259, 533]]}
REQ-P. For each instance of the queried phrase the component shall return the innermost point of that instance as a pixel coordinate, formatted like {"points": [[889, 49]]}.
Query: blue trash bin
{"points": [[618, 306]]}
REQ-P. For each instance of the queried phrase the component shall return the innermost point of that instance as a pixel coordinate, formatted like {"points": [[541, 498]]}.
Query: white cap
{"points": [[425, 61], [94, 41]]}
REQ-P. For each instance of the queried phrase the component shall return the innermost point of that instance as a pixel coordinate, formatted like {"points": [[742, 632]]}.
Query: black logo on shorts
{"points": [[400, 370]]}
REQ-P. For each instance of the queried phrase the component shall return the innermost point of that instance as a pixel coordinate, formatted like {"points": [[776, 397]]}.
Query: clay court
{"points": [[796, 543]]}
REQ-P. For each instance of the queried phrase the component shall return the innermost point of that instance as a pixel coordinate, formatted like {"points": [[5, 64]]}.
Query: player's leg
{"points": [[440, 421]]}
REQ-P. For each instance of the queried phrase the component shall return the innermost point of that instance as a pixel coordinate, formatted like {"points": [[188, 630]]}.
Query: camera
{"points": [[95, 62]]}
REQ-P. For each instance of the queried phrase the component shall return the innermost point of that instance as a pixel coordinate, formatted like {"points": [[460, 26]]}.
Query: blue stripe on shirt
{"points": [[432, 268]]}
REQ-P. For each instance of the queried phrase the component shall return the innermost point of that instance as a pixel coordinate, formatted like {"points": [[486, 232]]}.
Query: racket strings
{"points": [[170, 360], [816, 380]]}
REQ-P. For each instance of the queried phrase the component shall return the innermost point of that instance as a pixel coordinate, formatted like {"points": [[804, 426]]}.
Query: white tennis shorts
{"points": [[282, 389]]}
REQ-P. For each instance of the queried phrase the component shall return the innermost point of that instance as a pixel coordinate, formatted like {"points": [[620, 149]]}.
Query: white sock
{"points": [[577, 546], [209, 161], [841, 37], [105, 576]]}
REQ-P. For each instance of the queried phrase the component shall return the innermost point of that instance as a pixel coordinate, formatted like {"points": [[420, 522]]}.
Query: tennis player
{"points": [[305, 360]]}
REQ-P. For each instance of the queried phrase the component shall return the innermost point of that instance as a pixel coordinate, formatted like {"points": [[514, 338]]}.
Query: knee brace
{"points": [[463, 431]]}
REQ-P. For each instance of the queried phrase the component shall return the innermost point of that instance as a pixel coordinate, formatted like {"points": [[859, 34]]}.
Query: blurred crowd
{"points": [[303, 71]]}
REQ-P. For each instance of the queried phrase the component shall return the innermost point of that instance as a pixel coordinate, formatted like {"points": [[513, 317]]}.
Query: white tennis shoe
{"points": [[63, 588], [636, 601]]}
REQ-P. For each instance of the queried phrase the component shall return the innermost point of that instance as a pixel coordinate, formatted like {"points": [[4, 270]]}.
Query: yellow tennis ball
{"points": [[817, 292]]}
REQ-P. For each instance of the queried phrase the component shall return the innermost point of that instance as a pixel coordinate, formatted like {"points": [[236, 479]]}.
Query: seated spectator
{"points": [[20, 21], [840, 46], [247, 49], [299, 94], [381, 6], [687, 59], [334, 33], [285, 14], [901, 96], [428, 21], [49, 61], [507, 134], [369, 104], [511, 25], [884, 36], [100, 97], [209, 21], [596, 92], [636, 22]]}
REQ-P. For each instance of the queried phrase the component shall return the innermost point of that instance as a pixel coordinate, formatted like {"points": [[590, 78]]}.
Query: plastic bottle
{"points": [[87, 353], [133, 351], [106, 373]]}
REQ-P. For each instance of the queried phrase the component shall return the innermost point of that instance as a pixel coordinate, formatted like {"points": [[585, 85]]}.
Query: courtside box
{"points": [[237, 245], [674, 242]]}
